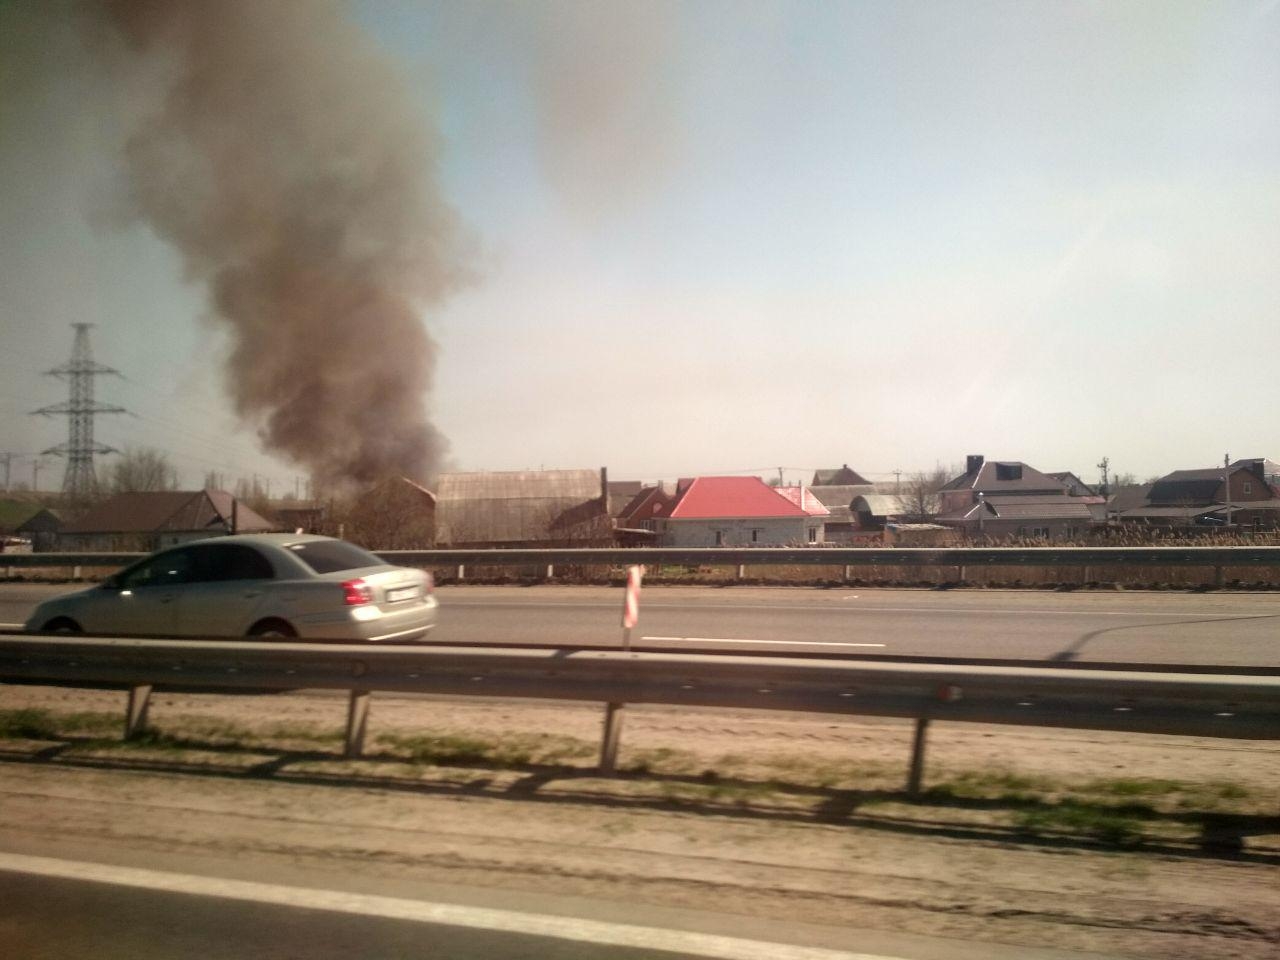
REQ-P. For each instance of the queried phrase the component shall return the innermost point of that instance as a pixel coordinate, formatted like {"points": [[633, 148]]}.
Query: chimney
{"points": [[973, 463]]}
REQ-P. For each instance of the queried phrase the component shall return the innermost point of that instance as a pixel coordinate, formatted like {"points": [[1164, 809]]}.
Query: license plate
{"points": [[401, 593]]}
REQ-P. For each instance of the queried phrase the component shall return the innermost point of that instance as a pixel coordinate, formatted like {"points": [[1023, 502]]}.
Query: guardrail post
{"points": [[960, 573], [612, 734], [357, 720], [75, 572], [1219, 576], [135, 718], [551, 571], [462, 571], [742, 571], [917, 757], [848, 570]]}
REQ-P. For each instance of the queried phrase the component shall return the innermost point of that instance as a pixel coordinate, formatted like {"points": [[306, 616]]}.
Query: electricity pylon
{"points": [[80, 481]]}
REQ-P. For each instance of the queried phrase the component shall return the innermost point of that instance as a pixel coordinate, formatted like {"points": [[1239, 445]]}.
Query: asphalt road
{"points": [[55, 909], [43, 918], [1211, 628]]}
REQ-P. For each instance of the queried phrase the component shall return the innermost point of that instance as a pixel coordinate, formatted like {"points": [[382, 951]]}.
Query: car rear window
{"points": [[330, 556]]}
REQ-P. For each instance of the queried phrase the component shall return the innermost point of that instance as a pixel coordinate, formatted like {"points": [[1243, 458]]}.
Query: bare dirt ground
{"points": [[1124, 845]]}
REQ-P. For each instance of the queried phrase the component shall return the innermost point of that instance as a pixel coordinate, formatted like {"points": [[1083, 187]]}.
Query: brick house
{"points": [[1008, 498], [735, 512], [1183, 498], [157, 519]]}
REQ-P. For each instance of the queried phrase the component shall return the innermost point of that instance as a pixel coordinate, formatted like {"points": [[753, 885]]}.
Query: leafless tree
{"points": [[920, 493], [142, 470], [394, 515], [253, 493]]}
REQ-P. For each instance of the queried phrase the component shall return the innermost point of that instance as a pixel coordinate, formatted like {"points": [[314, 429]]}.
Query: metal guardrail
{"points": [[1208, 705], [851, 556], [741, 557], [72, 561]]}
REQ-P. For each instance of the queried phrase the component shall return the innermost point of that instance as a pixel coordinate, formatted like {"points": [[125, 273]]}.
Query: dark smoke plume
{"points": [[289, 167]]}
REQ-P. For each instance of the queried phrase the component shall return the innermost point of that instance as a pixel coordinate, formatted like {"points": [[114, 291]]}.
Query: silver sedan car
{"points": [[262, 585]]}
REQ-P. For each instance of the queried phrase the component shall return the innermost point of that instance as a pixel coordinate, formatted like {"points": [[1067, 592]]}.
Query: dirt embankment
{"points": [[1153, 847]]}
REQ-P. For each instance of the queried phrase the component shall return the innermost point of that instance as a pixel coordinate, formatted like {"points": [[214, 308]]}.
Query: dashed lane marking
{"points": [[798, 643]]}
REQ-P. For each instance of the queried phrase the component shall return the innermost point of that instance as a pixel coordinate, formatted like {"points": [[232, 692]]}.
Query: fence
{"points": [[1208, 705]]}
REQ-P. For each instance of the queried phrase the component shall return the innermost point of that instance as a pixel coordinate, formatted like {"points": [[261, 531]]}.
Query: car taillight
{"points": [[356, 592]]}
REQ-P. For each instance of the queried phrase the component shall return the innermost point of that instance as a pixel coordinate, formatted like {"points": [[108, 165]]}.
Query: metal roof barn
{"points": [[510, 507]]}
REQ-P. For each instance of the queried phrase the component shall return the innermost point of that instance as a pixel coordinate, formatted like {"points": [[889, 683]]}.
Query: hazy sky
{"points": [[731, 236]]}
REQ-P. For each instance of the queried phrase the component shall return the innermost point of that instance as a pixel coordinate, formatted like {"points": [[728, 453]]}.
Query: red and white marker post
{"points": [[631, 604], [613, 711]]}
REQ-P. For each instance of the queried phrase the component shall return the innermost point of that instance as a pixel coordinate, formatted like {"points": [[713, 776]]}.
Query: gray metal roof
{"points": [[840, 495], [990, 479], [840, 476], [1172, 511], [1041, 508], [882, 505], [519, 485], [182, 511], [516, 506]]}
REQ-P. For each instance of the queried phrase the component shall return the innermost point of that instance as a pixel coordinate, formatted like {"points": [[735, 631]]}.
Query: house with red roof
{"points": [[736, 512], [803, 498]]}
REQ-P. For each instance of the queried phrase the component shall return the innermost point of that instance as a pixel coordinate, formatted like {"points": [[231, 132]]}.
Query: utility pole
{"points": [[897, 482], [1226, 482], [1106, 462], [35, 474], [8, 460], [80, 480]]}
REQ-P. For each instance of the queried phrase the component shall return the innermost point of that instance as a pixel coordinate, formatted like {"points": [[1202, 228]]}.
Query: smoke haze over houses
{"points": [[673, 238], [285, 164]]}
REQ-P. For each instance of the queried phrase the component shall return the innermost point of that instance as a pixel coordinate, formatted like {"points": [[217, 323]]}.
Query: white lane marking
{"points": [[801, 643], [865, 610], [448, 914], [10, 628]]}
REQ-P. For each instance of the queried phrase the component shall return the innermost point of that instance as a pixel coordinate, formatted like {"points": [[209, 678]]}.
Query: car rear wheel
{"points": [[273, 630], [61, 625]]}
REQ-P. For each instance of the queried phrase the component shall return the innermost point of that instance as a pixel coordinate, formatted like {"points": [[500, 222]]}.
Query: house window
{"points": [[1248, 487], [719, 538], [755, 536], [813, 534]]}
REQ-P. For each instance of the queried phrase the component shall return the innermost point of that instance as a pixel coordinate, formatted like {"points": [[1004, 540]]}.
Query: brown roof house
{"points": [[636, 524], [841, 477], [158, 519], [28, 525], [1008, 498], [523, 508], [1186, 498]]}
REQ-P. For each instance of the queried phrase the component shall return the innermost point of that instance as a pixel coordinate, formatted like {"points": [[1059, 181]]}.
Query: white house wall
{"points": [[770, 532]]}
